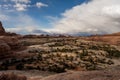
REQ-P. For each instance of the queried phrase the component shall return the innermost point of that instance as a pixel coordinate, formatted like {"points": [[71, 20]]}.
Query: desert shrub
{"points": [[94, 47], [3, 67], [30, 67], [19, 66], [39, 57], [34, 51], [84, 53], [112, 51], [56, 44], [57, 68], [92, 67], [25, 43], [110, 62]]}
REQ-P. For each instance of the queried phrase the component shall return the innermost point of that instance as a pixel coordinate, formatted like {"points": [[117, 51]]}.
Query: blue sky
{"points": [[60, 16], [54, 9], [42, 12]]}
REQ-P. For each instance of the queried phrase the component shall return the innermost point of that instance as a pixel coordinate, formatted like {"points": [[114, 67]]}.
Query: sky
{"points": [[60, 16]]}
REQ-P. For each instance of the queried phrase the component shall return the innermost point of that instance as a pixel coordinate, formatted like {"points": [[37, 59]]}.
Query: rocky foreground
{"points": [[109, 74], [58, 57]]}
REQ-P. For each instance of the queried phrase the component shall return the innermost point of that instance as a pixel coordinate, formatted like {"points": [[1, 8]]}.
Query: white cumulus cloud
{"points": [[21, 1], [39, 5], [96, 16], [20, 5]]}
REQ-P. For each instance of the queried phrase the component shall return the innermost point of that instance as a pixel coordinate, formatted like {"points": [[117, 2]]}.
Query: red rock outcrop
{"points": [[5, 49], [8, 45], [13, 42], [2, 30]]}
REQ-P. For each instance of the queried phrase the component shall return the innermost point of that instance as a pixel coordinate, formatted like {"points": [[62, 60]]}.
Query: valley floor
{"points": [[61, 58]]}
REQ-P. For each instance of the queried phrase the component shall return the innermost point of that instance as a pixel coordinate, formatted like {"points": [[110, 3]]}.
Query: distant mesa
{"points": [[2, 30], [116, 34]]}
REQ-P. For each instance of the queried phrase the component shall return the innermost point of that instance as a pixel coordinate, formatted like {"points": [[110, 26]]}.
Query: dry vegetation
{"points": [[59, 54]]}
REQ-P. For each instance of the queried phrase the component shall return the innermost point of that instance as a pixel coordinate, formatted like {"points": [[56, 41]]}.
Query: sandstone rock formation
{"points": [[2, 30], [8, 45], [5, 49], [13, 42]]}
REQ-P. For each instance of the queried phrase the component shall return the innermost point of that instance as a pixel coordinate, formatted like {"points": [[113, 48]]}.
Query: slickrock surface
{"points": [[111, 74]]}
